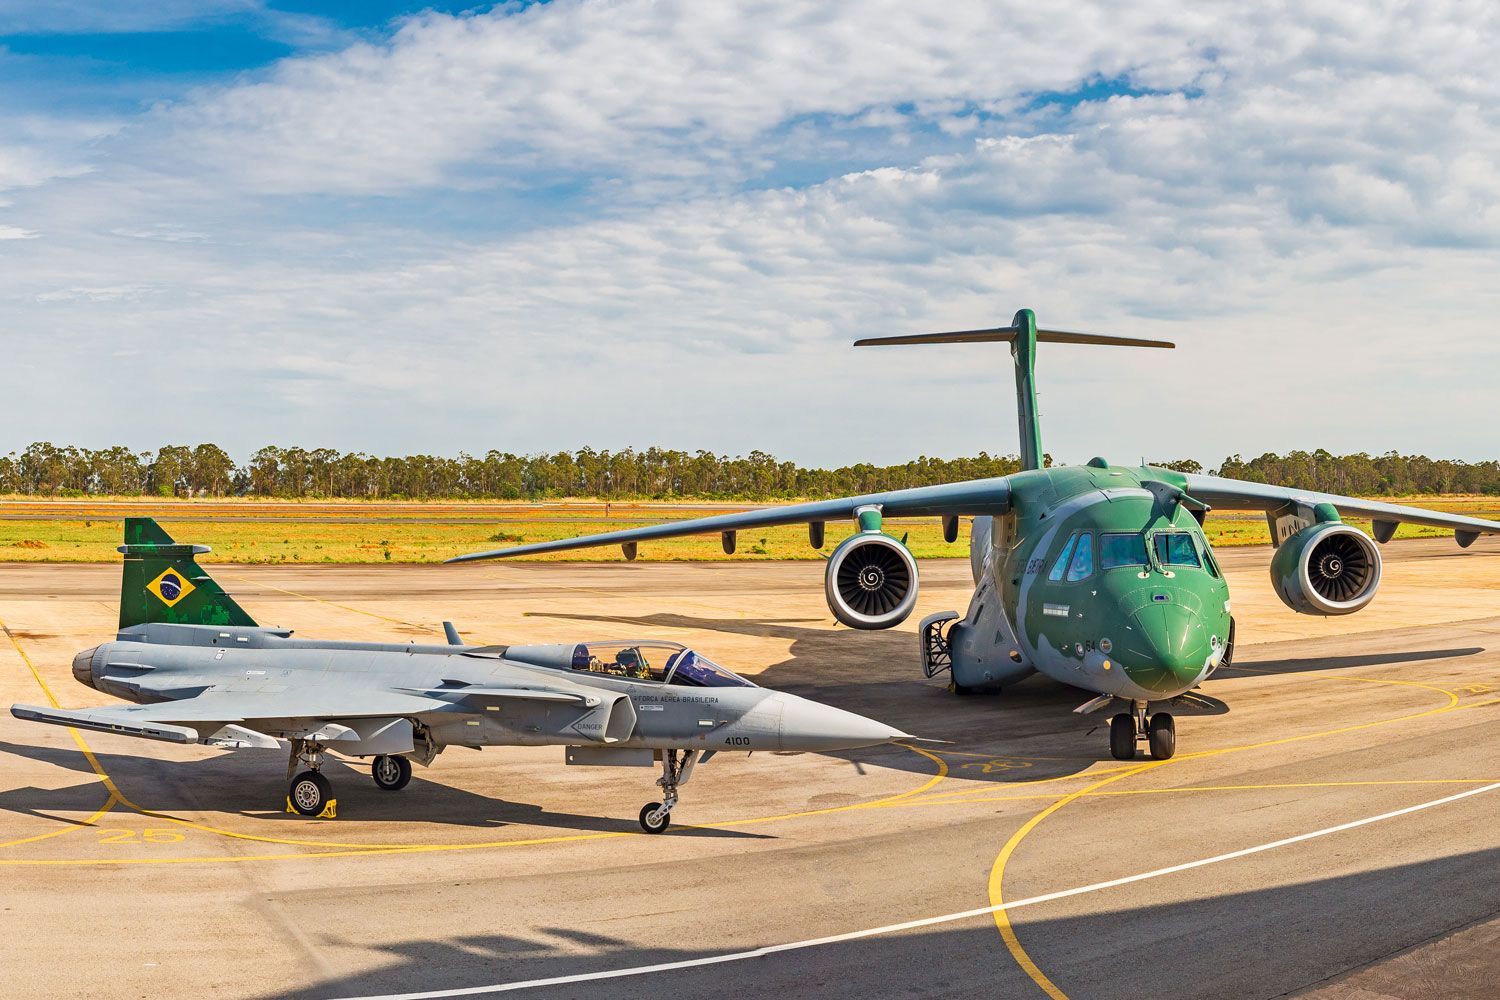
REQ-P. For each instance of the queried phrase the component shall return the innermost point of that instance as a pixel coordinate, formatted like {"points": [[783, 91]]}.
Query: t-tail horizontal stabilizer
{"points": [[1023, 336]]}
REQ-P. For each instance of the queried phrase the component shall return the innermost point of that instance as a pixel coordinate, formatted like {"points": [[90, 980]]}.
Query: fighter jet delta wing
{"points": [[192, 719]]}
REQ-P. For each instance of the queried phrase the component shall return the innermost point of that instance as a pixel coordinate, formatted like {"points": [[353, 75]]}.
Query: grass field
{"points": [[290, 532]]}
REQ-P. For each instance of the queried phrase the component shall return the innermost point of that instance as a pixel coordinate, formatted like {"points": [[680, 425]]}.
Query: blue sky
{"points": [[604, 223]]}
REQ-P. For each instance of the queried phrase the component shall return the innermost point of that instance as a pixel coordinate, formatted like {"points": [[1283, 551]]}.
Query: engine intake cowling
{"points": [[871, 581], [1326, 569]]}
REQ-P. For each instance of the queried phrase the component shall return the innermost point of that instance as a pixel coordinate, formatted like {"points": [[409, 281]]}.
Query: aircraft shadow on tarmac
{"points": [[1263, 942], [1305, 664], [1026, 732], [234, 780]]}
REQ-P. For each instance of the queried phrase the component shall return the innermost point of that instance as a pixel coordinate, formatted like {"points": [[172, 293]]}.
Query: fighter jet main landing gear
{"points": [[675, 771], [1158, 732], [391, 773], [309, 793]]}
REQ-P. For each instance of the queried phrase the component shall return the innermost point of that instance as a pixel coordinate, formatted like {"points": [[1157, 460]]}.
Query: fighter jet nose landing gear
{"points": [[1129, 728], [391, 773], [675, 771], [655, 818]]}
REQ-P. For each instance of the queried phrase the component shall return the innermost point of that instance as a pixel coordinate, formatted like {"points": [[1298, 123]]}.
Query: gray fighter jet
{"points": [[200, 670]]}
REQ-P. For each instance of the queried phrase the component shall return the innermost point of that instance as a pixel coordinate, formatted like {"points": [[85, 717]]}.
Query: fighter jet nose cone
{"points": [[1167, 649], [83, 667], [807, 725]]}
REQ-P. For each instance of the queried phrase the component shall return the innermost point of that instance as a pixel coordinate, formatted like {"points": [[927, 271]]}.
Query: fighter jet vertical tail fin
{"points": [[162, 582]]}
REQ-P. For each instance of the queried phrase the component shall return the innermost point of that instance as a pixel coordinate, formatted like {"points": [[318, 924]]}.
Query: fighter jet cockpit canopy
{"points": [[667, 662], [653, 660]]}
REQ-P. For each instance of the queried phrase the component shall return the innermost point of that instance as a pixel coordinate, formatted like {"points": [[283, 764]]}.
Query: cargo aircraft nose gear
{"points": [[1129, 729], [197, 669], [1098, 576]]}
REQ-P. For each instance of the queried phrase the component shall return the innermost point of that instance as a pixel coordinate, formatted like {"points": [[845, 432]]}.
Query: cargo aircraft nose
{"points": [[1167, 648], [807, 725]]}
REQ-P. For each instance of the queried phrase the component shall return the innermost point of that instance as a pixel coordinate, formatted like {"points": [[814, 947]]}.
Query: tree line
{"points": [[45, 469]]}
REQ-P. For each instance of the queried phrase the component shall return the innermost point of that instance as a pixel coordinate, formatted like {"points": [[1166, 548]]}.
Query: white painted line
{"points": [[947, 918]]}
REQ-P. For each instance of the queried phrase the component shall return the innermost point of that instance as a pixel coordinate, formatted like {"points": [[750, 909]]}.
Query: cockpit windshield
{"points": [[1121, 550], [663, 662], [693, 670], [1176, 548]]}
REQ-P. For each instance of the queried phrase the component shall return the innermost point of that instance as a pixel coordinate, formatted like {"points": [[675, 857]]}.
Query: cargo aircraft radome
{"points": [[202, 671], [1099, 576]]}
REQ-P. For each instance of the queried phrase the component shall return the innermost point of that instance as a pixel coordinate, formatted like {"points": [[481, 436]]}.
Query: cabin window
{"points": [[1208, 560], [1176, 548], [1121, 550], [1062, 559], [1082, 566]]}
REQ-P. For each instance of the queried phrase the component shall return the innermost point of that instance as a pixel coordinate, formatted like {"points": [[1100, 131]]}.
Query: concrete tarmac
{"points": [[141, 869]]}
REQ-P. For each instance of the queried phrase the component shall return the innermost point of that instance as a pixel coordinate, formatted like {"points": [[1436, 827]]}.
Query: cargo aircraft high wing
{"points": [[1097, 575]]}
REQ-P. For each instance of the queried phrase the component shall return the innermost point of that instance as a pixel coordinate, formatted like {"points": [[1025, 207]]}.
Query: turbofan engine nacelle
{"points": [[1326, 569], [871, 581]]}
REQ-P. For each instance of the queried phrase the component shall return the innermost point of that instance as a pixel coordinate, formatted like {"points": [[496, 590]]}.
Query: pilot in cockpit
{"points": [[633, 662]]}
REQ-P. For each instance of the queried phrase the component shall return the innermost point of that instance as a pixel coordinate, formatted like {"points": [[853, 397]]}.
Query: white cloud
{"points": [[1308, 200], [644, 87]]}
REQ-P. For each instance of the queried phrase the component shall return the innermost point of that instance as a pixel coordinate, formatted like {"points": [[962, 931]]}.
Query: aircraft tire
{"points": [[391, 772], [309, 793], [1122, 737], [653, 820], [1162, 735], [961, 690]]}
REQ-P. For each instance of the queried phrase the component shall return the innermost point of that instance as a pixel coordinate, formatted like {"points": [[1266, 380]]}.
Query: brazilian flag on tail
{"points": [[164, 583]]}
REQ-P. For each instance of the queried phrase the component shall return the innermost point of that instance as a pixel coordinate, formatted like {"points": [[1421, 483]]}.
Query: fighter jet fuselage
{"points": [[198, 669], [467, 696]]}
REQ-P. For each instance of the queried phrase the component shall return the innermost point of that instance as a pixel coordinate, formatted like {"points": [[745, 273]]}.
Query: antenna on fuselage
{"points": [[1023, 336]]}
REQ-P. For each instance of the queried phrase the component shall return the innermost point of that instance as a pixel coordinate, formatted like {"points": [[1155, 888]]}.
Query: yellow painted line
{"points": [[446, 848], [997, 870], [997, 756], [114, 793], [984, 787], [997, 877], [90, 820], [942, 772]]}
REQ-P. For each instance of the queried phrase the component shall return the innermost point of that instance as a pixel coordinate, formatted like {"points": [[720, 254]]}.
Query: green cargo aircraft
{"points": [[1099, 575]]}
